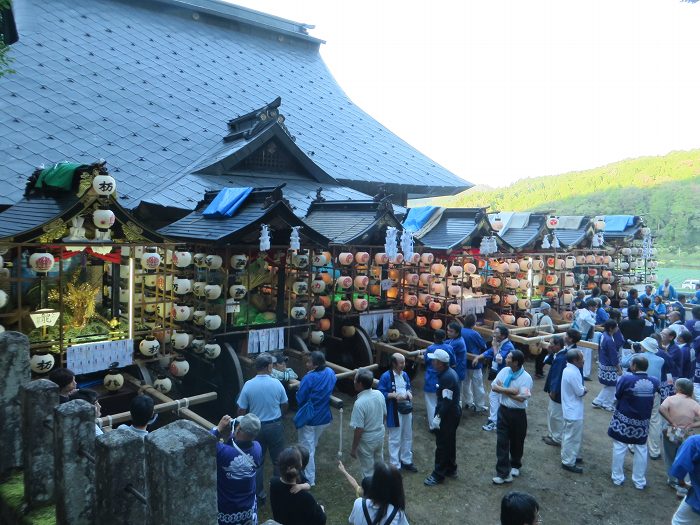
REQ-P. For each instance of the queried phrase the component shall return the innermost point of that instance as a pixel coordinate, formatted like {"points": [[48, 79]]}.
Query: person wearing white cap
{"points": [[635, 394], [446, 419], [650, 348]]}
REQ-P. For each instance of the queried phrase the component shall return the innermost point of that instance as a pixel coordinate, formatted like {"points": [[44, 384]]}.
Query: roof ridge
{"points": [[248, 16]]}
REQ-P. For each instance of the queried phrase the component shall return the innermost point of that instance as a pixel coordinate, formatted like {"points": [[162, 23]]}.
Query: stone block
{"points": [[38, 398], [74, 458], [120, 466], [181, 475], [14, 372]]}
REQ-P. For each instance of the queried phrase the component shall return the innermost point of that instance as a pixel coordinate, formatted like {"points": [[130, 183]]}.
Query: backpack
{"points": [[369, 520]]}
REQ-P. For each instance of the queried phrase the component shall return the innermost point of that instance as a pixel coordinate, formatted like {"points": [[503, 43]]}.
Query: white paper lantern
{"points": [[104, 185], [41, 363], [113, 381], [163, 384], [150, 260], [212, 322], [103, 218], [212, 350], [3, 298], [182, 259], [150, 346], [41, 262], [179, 367]]}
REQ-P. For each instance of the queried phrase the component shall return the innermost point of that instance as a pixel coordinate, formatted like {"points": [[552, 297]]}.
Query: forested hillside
{"points": [[664, 190]]}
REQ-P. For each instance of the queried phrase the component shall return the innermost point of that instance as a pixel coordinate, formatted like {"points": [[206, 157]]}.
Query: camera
{"points": [[637, 347], [234, 424]]}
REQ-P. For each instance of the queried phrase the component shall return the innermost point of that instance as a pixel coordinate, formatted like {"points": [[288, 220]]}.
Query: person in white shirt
{"points": [[384, 503], [367, 422], [514, 385], [572, 392], [584, 322]]}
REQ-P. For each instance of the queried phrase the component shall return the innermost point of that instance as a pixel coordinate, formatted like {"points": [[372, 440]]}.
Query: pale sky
{"points": [[496, 91]]}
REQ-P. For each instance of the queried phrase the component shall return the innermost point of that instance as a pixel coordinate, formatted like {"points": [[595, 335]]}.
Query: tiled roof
{"points": [[33, 212], [151, 85], [455, 228], [628, 234], [352, 222], [244, 226], [570, 237], [520, 238]]}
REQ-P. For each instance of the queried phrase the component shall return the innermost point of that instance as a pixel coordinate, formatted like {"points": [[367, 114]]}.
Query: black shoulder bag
{"points": [[405, 406]]}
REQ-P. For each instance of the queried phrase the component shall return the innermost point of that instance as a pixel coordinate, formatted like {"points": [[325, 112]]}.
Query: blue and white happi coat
{"points": [[635, 399]]}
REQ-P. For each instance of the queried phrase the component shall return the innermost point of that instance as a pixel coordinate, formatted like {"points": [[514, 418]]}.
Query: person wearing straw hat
{"points": [[629, 426]]}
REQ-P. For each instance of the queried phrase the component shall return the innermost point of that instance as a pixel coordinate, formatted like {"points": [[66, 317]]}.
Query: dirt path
{"points": [[565, 498]]}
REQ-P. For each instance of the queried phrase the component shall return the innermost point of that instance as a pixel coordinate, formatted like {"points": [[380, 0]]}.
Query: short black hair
{"points": [[503, 329], [610, 324], [470, 321], [364, 378], [141, 410], [455, 326], [85, 394], [574, 335], [517, 356], [262, 361], [557, 340], [595, 292], [633, 292], [641, 363], [685, 336], [518, 508], [573, 354], [681, 297], [633, 312], [318, 359], [591, 303], [62, 377], [646, 301], [439, 335]]}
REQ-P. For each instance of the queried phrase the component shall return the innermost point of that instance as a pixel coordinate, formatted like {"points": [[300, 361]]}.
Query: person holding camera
{"points": [[238, 457], [396, 387]]}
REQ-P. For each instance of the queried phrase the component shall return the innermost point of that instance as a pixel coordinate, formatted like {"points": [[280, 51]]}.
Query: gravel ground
{"points": [[565, 498]]}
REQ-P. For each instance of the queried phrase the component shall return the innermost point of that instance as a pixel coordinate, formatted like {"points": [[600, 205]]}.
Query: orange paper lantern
{"points": [[324, 324], [436, 324], [421, 320]]}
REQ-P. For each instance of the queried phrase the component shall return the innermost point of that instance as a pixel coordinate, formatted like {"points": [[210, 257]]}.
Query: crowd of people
{"points": [[648, 367]]}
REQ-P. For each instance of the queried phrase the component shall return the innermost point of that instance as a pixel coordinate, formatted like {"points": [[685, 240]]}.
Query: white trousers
{"points": [[654, 440], [494, 402], [401, 441], [555, 420], [685, 515], [606, 397], [430, 405], [473, 389], [369, 451], [587, 360], [639, 465], [309, 436], [572, 436]]}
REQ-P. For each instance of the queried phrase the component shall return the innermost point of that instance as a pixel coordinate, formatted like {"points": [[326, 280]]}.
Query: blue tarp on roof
{"points": [[227, 202], [417, 217], [618, 223]]}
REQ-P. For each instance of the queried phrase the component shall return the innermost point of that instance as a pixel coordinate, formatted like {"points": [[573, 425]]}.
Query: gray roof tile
{"points": [[141, 66]]}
